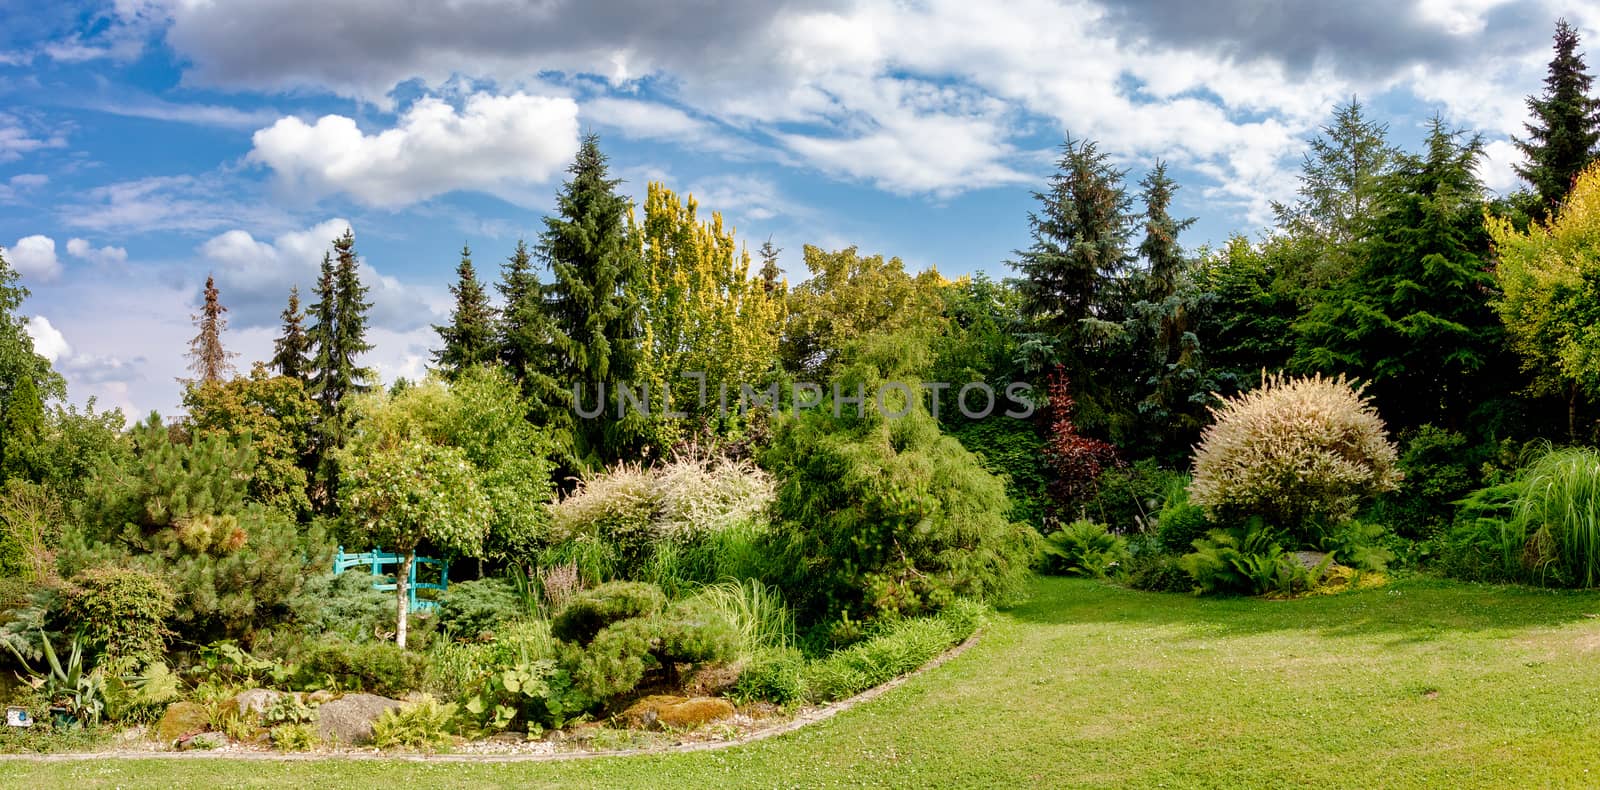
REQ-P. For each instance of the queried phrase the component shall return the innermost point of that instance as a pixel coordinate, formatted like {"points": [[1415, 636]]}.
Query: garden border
{"points": [[800, 721]]}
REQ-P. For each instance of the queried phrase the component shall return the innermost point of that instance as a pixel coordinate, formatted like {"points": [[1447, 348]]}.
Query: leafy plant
{"points": [[288, 709], [772, 675], [71, 685], [1297, 452], [300, 737], [141, 698], [1083, 548], [755, 610], [472, 609], [531, 695], [1181, 522], [1559, 503], [1247, 560], [422, 725], [121, 611], [377, 667]]}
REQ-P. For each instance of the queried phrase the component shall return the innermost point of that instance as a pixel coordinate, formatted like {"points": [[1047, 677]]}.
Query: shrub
{"points": [[1359, 545], [527, 694], [1157, 572], [1014, 451], [1083, 548], [344, 605], [141, 699], [296, 737], [615, 659], [420, 725], [30, 529], [121, 611], [756, 612], [378, 667], [1181, 522], [589, 612], [1298, 452], [1438, 469], [771, 675], [884, 515], [1128, 498], [1075, 460], [471, 609]]}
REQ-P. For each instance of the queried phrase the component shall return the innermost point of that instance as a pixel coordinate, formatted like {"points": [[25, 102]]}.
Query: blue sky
{"points": [[147, 143]]}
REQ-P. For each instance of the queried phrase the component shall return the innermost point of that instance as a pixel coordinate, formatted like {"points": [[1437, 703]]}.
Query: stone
{"points": [[1310, 559], [253, 703], [203, 742], [180, 720], [349, 719], [664, 711]]}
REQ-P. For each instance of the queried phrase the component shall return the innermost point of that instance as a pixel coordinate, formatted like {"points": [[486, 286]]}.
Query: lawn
{"points": [[1424, 683]]}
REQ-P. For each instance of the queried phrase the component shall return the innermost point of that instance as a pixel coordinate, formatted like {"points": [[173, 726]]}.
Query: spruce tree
{"points": [[1566, 126], [1339, 178], [208, 360], [289, 350], [526, 338], [771, 275], [1160, 250], [593, 301], [1080, 251], [322, 338], [469, 339], [350, 321]]}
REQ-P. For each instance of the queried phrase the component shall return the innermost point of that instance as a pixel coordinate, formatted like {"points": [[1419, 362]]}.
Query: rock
{"points": [[253, 703], [202, 742], [349, 719], [761, 710], [181, 720], [132, 734], [1310, 559], [319, 696], [662, 711]]}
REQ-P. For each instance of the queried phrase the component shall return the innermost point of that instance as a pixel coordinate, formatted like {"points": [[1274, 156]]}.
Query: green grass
{"points": [[1423, 684]]}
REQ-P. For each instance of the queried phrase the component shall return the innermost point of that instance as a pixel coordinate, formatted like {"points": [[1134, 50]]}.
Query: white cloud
{"points": [[19, 137], [197, 114], [14, 187], [1495, 169], [35, 257], [255, 276], [497, 144], [47, 340], [81, 248], [170, 203]]}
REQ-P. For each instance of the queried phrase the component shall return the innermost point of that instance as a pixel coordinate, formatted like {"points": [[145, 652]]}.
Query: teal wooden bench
{"points": [[377, 559]]}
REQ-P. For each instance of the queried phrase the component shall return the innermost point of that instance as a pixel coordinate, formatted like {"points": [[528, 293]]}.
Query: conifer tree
{"points": [[771, 275], [1160, 249], [289, 350], [208, 360], [1339, 179], [1081, 234], [351, 318], [526, 338], [593, 300], [1566, 127], [321, 337], [469, 339]]}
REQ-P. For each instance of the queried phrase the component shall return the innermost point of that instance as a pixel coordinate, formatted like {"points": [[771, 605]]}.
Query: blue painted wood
{"points": [[378, 558]]}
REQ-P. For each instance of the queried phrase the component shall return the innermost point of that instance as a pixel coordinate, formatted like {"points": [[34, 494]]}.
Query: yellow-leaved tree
{"points": [[1549, 276]]}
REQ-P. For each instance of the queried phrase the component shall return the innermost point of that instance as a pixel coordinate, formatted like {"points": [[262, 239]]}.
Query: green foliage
{"points": [[296, 737], [456, 669], [288, 709], [902, 646], [1181, 522], [18, 360], [1297, 452], [591, 611], [879, 515], [469, 339], [121, 612], [755, 610], [1157, 571], [420, 725], [142, 698], [30, 530], [22, 426], [771, 675], [376, 667], [1247, 560], [342, 605], [72, 684], [1566, 124], [1438, 468], [615, 659], [1559, 506], [1083, 548], [849, 296], [530, 693], [1359, 545], [1013, 451], [470, 609], [273, 415], [1128, 498]]}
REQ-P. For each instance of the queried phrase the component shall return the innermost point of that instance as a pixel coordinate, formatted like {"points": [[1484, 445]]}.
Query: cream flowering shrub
{"points": [[1298, 452]]}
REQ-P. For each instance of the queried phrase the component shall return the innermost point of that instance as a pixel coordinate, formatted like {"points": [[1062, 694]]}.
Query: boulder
{"points": [[662, 711], [349, 719], [253, 703], [181, 720]]}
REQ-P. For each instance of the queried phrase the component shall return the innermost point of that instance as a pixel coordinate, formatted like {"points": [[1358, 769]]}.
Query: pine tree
{"points": [[289, 350], [593, 302], [208, 360], [526, 339], [1566, 127], [771, 275], [1160, 249], [469, 339], [1080, 246], [351, 318]]}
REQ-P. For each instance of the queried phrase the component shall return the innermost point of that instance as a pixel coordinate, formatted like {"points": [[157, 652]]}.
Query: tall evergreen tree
{"points": [[1415, 318], [208, 360], [469, 339], [1080, 252], [1566, 126], [771, 275], [527, 338], [290, 349], [1160, 249], [322, 338], [351, 319], [1338, 183], [593, 300]]}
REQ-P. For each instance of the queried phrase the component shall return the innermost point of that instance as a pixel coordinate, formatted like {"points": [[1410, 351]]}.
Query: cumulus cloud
{"points": [[255, 276], [82, 249], [48, 341], [496, 144], [35, 257]]}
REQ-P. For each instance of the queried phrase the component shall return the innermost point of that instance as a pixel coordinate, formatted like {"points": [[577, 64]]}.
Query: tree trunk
{"points": [[402, 586]]}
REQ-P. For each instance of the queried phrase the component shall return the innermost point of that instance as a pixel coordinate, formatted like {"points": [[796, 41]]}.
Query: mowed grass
{"points": [[1422, 684]]}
